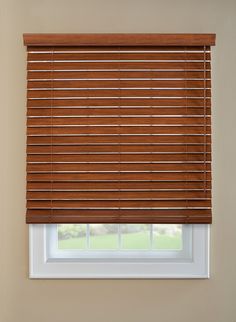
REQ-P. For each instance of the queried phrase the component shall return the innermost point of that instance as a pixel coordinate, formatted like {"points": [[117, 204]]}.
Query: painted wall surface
{"points": [[24, 300]]}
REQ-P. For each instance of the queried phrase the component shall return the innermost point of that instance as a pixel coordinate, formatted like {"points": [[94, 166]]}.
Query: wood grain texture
{"points": [[119, 140], [132, 176], [34, 204], [74, 74], [127, 148], [120, 101], [119, 83], [66, 49], [111, 186], [189, 65], [94, 158], [119, 39], [165, 216], [117, 167], [93, 111], [117, 55]]}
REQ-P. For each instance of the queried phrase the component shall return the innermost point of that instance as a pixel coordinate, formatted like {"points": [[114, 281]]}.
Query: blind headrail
{"points": [[119, 39]]}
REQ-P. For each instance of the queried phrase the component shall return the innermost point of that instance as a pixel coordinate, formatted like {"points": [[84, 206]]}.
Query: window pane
{"points": [[132, 236], [135, 236], [103, 236], [167, 236], [71, 236]]}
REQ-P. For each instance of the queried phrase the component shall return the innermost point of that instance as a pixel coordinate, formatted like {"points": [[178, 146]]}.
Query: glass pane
{"points": [[103, 236], [167, 236], [71, 236], [135, 236]]}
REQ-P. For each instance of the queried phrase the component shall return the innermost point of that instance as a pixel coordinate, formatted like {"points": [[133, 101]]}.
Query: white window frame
{"points": [[47, 262]]}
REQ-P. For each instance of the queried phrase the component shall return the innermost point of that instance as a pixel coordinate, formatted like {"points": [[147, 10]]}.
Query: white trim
{"points": [[195, 265]]}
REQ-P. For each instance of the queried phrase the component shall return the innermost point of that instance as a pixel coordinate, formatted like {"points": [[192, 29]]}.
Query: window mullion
{"points": [[87, 236], [119, 236], [151, 236]]}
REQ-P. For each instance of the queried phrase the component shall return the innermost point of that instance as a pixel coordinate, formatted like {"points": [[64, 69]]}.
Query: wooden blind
{"points": [[119, 128]]}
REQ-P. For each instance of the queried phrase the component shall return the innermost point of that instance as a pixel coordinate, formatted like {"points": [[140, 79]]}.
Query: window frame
{"points": [[192, 263]]}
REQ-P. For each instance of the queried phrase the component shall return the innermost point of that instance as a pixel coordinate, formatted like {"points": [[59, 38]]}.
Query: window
{"points": [[118, 148], [167, 251]]}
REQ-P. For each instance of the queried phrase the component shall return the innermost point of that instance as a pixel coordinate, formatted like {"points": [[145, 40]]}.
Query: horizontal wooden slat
{"points": [[142, 185], [135, 176], [117, 167], [85, 111], [191, 102], [118, 55], [56, 84], [134, 74], [148, 139], [106, 130], [118, 93], [119, 215], [107, 48], [117, 65], [116, 195], [117, 120], [139, 148], [42, 204], [65, 219], [119, 39], [187, 157]]}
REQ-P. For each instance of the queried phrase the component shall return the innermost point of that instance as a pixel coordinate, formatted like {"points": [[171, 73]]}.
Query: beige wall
{"points": [[24, 300]]}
